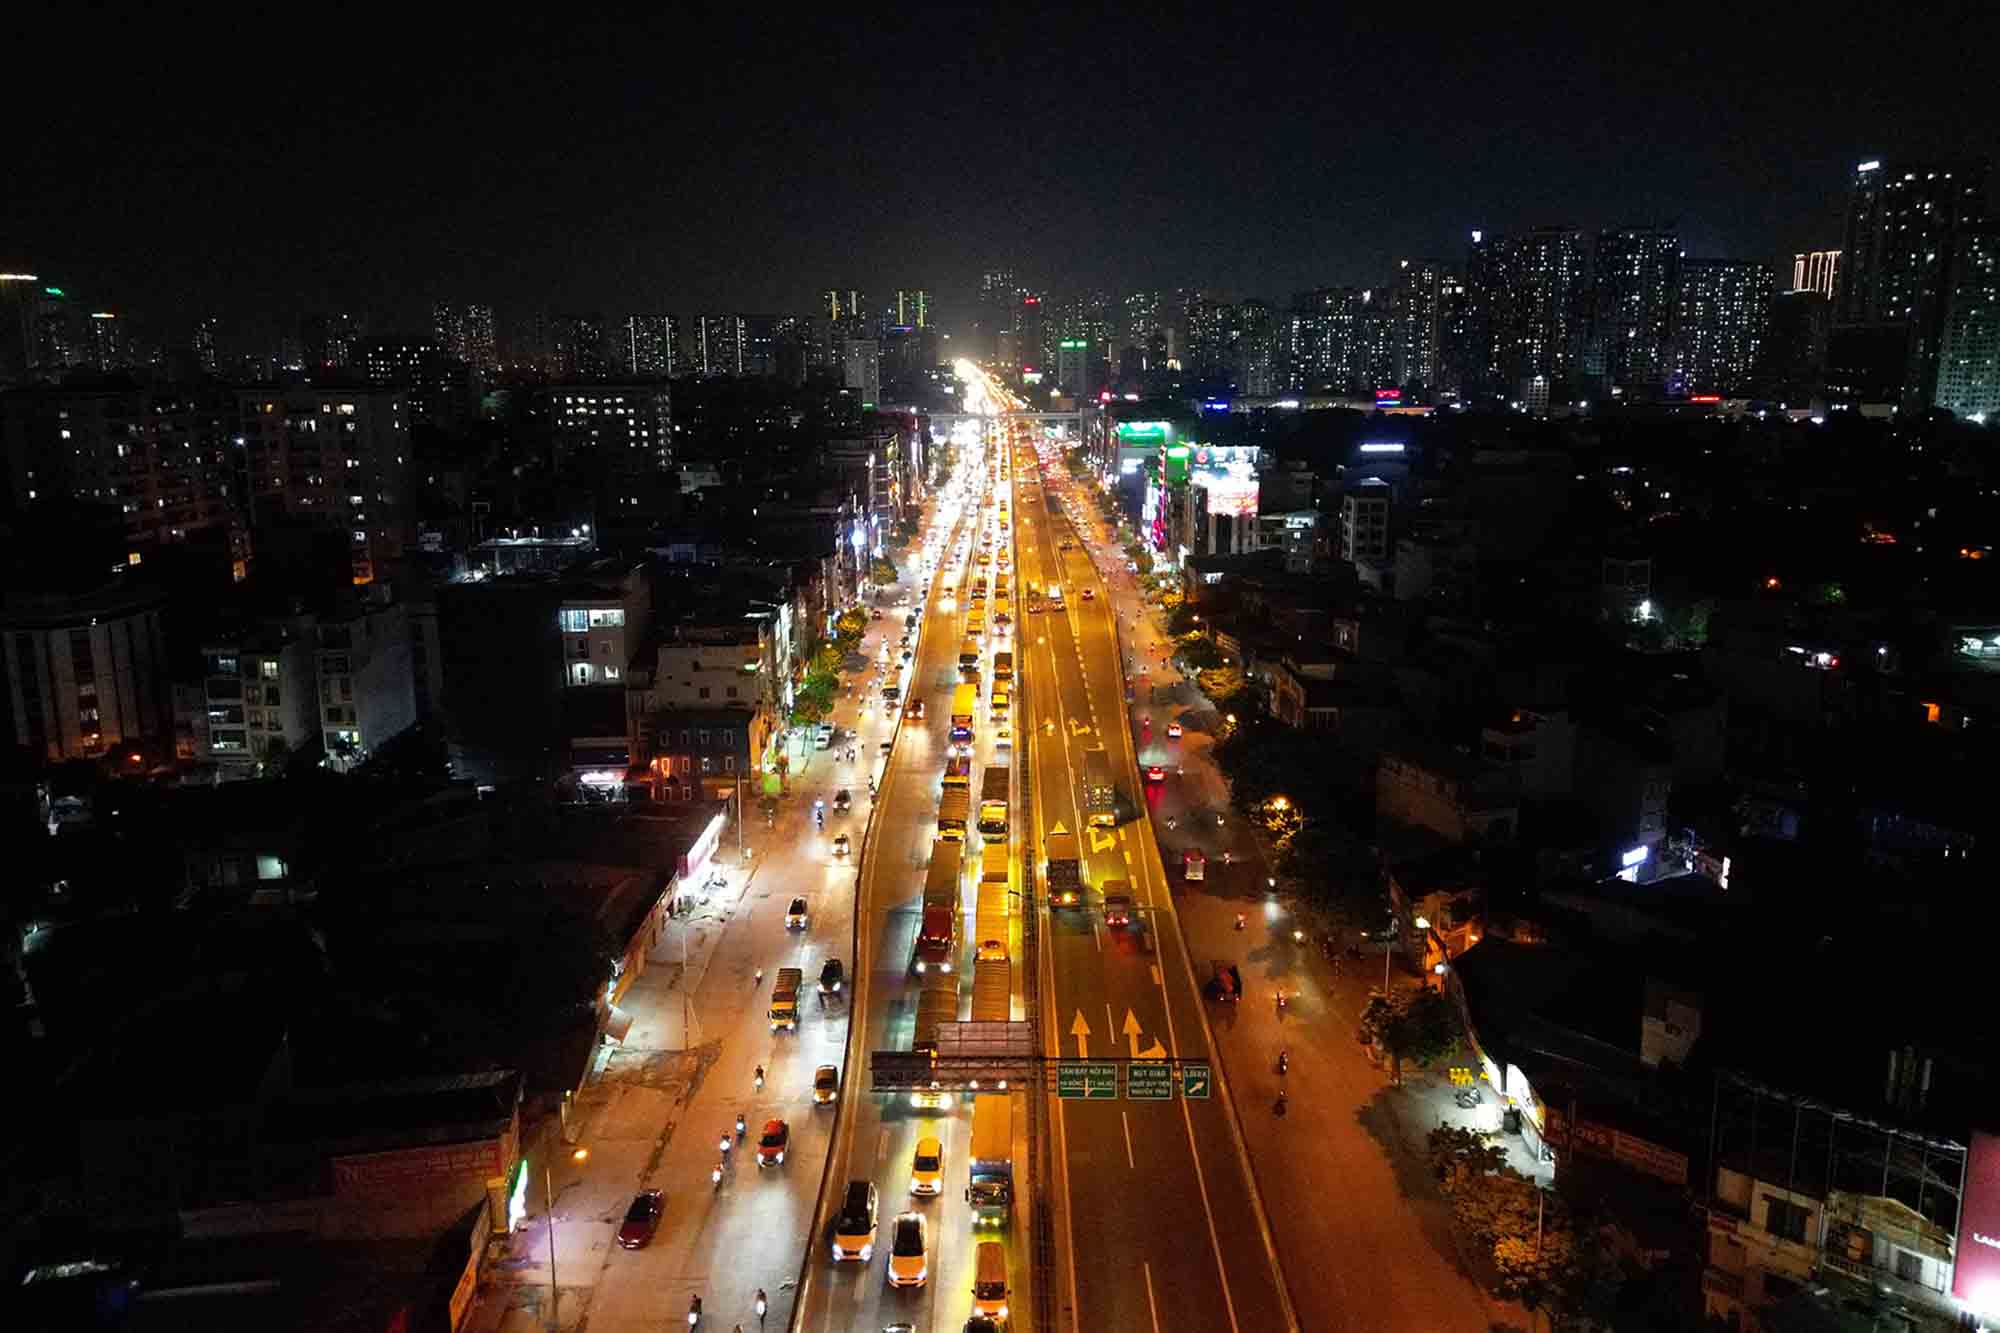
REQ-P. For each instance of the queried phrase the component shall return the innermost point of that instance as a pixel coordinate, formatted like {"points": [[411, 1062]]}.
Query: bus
{"points": [[964, 706]]}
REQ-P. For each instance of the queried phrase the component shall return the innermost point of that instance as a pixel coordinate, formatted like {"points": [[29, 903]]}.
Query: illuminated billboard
{"points": [[1233, 493], [1145, 432], [1975, 1271]]}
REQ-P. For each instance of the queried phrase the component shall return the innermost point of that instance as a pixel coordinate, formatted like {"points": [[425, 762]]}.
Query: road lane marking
{"points": [[1157, 981], [1080, 1029], [1126, 1121]]}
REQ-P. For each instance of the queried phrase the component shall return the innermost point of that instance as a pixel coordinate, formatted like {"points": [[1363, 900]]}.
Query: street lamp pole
{"points": [[555, 1292]]}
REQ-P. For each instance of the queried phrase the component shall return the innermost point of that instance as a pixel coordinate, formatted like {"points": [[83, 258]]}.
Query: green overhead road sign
{"points": [[1150, 1081], [1095, 1080], [1194, 1079]]}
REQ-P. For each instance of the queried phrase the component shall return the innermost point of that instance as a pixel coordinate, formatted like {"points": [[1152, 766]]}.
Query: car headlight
{"points": [[867, 1253]]}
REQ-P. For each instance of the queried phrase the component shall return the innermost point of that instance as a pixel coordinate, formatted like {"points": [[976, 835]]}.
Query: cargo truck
{"points": [[1062, 872], [1100, 794], [968, 656], [993, 806], [936, 1005], [953, 808], [992, 991], [785, 999], [964, 709], [990, 1188], [941, 877]]}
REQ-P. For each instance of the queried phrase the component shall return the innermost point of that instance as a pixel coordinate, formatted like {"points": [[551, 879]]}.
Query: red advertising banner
{"points": [[1975, 1270]]}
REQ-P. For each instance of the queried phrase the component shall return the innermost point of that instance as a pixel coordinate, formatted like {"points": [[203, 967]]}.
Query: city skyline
{"points": [[490, 196]]}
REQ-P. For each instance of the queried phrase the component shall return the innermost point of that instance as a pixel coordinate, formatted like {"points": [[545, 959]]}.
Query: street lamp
{"points": [[548, 1191]]}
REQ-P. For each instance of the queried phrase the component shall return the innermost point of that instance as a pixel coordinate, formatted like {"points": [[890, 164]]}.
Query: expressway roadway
{"points": [[876, 1136], [1160, 1224]]}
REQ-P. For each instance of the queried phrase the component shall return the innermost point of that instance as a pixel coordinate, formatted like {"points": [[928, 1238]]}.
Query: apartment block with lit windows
{"points": [[339, 455], [260, 690], [166, 458]]}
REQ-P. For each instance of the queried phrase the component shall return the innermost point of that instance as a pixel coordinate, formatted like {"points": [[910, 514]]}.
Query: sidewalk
{"points": [[1391, 1256], [685, 1065]]}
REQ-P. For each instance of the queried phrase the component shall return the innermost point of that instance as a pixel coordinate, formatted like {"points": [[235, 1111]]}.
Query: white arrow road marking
{"points": [[1081, 1031], [1101, 842]]}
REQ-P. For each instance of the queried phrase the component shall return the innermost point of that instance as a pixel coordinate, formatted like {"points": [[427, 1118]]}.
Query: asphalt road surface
{"points": [[1162, 1228]]}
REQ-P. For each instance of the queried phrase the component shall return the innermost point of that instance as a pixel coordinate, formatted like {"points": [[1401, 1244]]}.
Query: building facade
{"points": [[87, 676], [1969, 356], [1719, 324], [1637, 272], [367, 686], [339, 456]]}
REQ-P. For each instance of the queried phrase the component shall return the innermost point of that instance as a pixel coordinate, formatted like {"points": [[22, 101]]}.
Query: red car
{"points": [[1173, 731], [1155, 773], [642, 1219], [773, 1143]]}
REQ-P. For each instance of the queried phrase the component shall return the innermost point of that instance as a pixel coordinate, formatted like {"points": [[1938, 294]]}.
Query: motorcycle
{"points": [[694, 1311], [715, 1179], [1284, 1062], [1283, 1000], [760, 1078], [1239, 920], [741, 1128], [724, 1144]]}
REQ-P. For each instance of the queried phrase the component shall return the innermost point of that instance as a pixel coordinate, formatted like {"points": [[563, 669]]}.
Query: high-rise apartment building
{"points": [[913, 308], [107, 348], [1969, 356], [18, 292], [205, 353], [448, 329], [756, 337], [1795, 345], [1902, 229], [437, 387], [998, 310], [579, 350], [1549, 307], [1633, 318], [1141, 332], [1817, 271], [644, 347], [1323, 341], [861, 369], [844, 303], [1719, 325], [482, 346], [338, 455], [329, 341], [1253, 351], [1417, 309], [720, 346]]}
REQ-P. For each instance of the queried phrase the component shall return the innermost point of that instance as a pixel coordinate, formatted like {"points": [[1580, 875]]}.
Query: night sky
{"points": [[370, 161]]}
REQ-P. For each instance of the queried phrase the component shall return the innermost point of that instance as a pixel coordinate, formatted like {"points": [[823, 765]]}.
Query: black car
{"points": [[831, 976]]}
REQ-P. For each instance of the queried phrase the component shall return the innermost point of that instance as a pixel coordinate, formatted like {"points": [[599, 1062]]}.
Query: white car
{"points": [[1003, 739]]}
